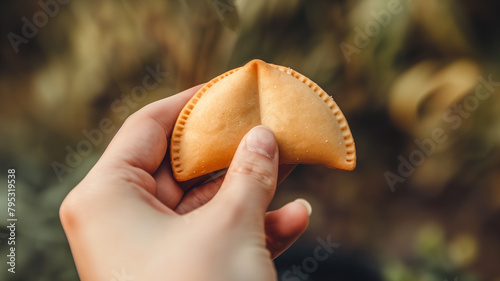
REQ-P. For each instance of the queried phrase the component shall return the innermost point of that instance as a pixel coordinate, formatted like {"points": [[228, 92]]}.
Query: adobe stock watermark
{"points": [[311, 263], [121, 276], [201, 195], [222, 7], [121, 106], [48, 9], [372, 28], [454, 117]]}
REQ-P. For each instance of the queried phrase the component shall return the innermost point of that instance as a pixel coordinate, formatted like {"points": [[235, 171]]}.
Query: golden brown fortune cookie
{"points": [[308, 124]]}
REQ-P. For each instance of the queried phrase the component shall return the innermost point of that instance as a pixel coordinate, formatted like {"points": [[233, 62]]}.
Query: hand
{"points": [[130, 220]]}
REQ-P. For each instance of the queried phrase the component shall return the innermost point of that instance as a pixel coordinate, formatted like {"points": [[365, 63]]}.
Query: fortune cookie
{"points": [[308, 124]]}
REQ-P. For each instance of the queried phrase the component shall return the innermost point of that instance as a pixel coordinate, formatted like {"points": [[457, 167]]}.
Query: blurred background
{"points": [[415, 79]]}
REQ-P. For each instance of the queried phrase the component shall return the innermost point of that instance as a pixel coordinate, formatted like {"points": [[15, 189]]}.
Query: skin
{"points": [[128, 219]]}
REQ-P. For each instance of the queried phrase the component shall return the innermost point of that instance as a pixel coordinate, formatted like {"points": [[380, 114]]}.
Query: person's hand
{"points": [[130, 220]]}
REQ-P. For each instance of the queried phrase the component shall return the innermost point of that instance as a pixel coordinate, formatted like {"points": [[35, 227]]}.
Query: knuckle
{"points": [[69, 210], [73, 209], [260, 173]]}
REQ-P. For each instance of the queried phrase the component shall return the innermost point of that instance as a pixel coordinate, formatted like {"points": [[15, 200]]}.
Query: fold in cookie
{"points": [[308, 124]]}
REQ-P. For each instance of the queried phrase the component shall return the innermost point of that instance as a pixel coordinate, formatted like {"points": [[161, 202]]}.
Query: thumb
{"points": [[251, 179]]}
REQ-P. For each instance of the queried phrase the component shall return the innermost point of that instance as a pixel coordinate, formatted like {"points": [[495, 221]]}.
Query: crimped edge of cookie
{"points": [[182, 119], [341, 120]]}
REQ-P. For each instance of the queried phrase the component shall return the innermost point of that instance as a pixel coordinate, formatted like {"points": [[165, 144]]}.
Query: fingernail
{"points": [[306, 204], [261, 140]]}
